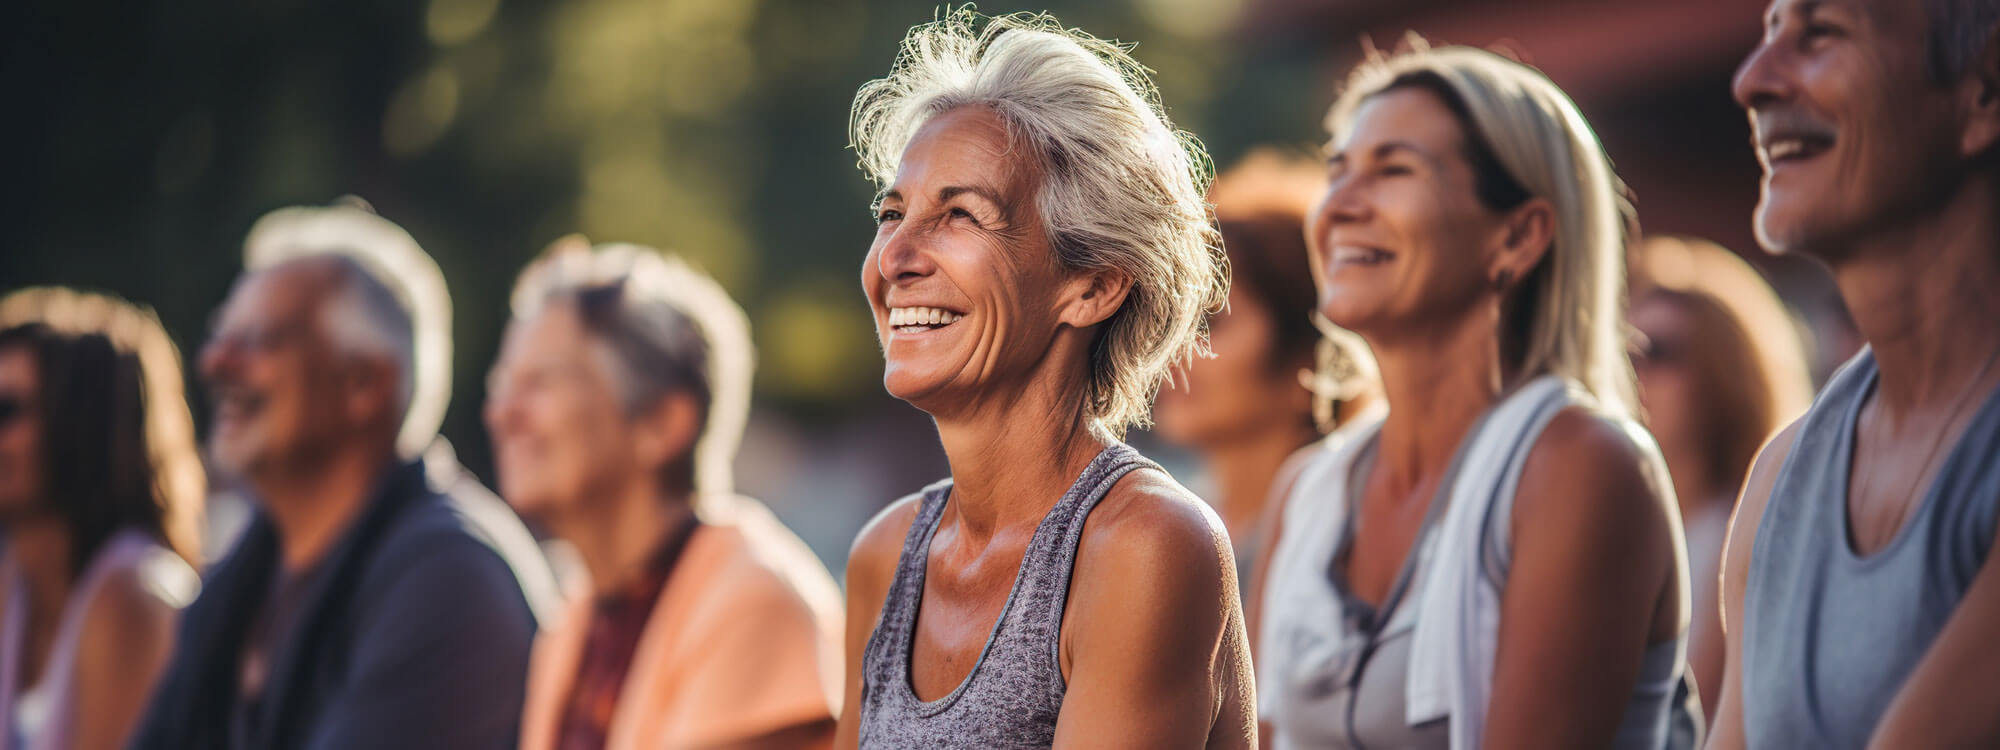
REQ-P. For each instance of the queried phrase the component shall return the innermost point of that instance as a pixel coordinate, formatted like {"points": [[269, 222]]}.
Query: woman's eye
{"points": [[1817, 31], [887, 215], [960, 213], [1393, 170]]}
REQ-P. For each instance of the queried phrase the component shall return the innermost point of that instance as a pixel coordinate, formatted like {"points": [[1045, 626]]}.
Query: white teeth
{"points": [[921, 316], [1353, 254], [1783, 149]]}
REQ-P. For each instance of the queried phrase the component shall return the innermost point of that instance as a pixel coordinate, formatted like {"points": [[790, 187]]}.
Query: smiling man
{"points": [[1860, 592], [380, 598]]}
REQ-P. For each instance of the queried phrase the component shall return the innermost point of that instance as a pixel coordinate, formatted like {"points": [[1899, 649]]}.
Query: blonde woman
{"points": [[1496, 561], [1044, 257]]}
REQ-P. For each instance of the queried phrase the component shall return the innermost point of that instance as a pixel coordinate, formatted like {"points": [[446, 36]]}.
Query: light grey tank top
{"points": [[1362, 705], [1829, 636], [1013, 694]]}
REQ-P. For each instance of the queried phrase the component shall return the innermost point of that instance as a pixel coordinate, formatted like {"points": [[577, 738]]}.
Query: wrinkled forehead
{"points": [[965, 146]]}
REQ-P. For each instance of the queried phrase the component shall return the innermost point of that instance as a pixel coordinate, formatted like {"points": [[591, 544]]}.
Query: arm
{"points": [[1949, 700], [1725, 729], [1153, 630], [871, 567], [1595, 563], [1270, 529], [126, 640], [439, 657]]}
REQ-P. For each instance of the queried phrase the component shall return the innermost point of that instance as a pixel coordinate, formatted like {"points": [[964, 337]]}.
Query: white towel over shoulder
{"points": [[1458, 623]]}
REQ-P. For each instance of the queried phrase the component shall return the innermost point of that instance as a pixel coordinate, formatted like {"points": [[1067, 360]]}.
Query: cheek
{"points": [[1669, 397], [20, 461]]}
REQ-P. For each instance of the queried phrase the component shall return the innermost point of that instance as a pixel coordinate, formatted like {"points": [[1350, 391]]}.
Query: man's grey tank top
{"points": [[1014, 692], [1829, 636]]}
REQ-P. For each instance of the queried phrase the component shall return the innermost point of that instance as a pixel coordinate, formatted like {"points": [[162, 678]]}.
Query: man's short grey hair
{"points": [[1121, 189], [666, 328], [1959, 33], [390, 301]]}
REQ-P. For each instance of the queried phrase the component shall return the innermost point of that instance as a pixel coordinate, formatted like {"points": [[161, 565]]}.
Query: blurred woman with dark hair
{"points": [[100, 490], [1721, 368], [1257, 401]]}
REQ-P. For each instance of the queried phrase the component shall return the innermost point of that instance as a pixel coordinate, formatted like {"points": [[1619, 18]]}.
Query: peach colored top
{"points": [[746, 640]]}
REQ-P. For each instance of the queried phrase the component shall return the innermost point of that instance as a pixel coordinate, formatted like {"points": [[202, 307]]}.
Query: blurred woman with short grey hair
{"points": [[615, 410], [1044, 260]]}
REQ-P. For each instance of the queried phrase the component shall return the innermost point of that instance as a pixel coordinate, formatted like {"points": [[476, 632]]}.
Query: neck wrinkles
{"points": [[1926, 303]]}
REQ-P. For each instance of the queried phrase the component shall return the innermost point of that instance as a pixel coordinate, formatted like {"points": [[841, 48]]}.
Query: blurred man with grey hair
{"points": [[380, 598]]}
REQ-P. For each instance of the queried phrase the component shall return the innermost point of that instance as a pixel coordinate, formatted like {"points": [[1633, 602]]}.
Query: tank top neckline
{"points": [[1843, 521], [1115, 453]]}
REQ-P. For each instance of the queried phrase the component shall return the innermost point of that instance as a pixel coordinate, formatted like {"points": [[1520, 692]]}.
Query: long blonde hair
{"points": [[1568, 314]]}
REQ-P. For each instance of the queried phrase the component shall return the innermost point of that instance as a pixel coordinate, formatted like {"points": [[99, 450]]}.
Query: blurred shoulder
{"points": [[742, 542], [1584, 458], [134, 605]]}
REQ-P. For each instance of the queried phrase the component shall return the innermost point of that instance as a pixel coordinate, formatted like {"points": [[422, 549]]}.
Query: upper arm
{"points": [[1595, 558], [871, 566], [1270, 528], [123, 649], [1948, 700], [1156, 651], [1726, 728], [439, 657]]}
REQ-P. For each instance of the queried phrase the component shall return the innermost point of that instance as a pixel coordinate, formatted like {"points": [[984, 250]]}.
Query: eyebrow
{"points": [[1385, 149], [1804, 9]]}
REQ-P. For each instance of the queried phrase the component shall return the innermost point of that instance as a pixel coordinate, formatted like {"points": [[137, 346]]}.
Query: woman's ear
{"points": [[1526, 236], [1091, 298], [665, 433]]}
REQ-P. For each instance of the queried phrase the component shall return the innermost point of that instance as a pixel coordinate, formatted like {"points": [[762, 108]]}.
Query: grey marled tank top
{"points": [[1830, 636], [1014, 692]]}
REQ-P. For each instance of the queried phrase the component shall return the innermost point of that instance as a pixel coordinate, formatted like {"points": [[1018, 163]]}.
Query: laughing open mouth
{"points": [[920, 319]]}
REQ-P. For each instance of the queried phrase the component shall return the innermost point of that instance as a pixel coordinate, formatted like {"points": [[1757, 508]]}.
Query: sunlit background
{"points": [[146, 138]]}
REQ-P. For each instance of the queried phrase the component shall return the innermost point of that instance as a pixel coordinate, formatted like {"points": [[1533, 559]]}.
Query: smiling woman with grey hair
{"points": [[1044, 260]]}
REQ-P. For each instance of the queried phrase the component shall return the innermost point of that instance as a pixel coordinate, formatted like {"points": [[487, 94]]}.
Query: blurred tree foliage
{"points": [[146, 137]]}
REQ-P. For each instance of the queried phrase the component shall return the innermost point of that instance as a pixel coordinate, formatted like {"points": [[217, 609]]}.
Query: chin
{"points": [[911, 387], [1785, 233]]}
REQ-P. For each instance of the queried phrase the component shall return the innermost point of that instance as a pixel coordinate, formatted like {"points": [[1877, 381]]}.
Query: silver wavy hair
{"points": [[1574, 322], [1121, 190]]}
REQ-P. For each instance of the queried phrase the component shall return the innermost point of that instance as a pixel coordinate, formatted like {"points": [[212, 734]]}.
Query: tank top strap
{"points": [[1051, 557], [906, 591]]}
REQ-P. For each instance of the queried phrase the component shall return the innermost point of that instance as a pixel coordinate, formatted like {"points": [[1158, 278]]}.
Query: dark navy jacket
{"points": [[415, 633]]}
